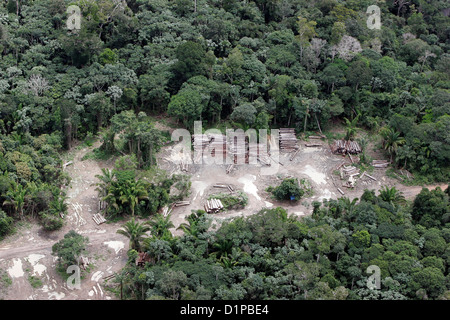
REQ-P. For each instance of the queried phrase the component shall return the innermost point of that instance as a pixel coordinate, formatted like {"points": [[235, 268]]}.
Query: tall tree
{"points": [[134, 231]]}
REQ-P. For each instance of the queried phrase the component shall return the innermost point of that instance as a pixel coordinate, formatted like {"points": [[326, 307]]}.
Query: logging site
{"points": [[224, 150]]}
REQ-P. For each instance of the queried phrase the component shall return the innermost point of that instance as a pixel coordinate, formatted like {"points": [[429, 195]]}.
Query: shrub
{"points": [[6, 224], [51, 222], [287, 189]]}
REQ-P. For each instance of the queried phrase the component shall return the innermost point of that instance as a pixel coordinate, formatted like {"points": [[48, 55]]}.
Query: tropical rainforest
{"points": [[311, 65]]}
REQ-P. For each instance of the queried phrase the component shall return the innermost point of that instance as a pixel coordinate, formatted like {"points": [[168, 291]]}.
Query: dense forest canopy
{"points": [[270, 255], [257, 64]]}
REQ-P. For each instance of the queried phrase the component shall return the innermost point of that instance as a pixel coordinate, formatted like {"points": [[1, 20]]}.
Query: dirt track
{"points": [[28, 252]]}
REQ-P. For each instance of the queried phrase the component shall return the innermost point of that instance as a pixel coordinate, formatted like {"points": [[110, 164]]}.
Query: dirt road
{"points": [[28, 252]]}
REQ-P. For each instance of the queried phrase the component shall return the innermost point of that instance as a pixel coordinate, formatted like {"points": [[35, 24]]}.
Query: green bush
{"points": [[51, 222], [6, 224], [287, 189]]}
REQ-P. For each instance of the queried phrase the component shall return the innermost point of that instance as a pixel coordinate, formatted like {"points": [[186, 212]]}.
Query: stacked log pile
{"points": [[213, 206], [217, 145], [237, 146], [350, 171], [288, 140], [380, 163], [345, 147], [259, 152], [98, 218], [213, 143]]}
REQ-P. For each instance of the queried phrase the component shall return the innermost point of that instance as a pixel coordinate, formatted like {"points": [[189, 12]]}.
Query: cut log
{"points": [[342, 192], [68, 163], [350, 157], [295, 153], [313, 144], [220, 186]]}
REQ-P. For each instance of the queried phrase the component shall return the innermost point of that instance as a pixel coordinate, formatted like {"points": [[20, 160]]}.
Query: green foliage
{"points": [[35, 282], [69, 249], [287, 189], [135, 231], [6, 224], [51, 222], [431, 208]]}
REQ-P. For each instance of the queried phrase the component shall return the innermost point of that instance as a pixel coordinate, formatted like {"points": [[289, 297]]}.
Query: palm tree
{"points": [[106, 179], [195, 224], [16, 197], [348, 205], [134, 231], [351, 127], [391, 195], [132, 192], [223, 247], [391, 141], [160, 226], [58, 206]]}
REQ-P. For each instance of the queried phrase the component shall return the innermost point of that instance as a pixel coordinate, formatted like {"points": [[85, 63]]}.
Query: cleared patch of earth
{"points": [[315, 164]]}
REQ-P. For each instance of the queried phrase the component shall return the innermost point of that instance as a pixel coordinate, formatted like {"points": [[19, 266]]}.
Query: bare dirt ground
{"points": [[28, 252], [316, 164]]}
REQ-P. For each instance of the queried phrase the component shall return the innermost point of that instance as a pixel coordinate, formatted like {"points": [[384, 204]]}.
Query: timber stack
{"points": [[237, 147], [217, 145], [259, 152], [98, 218], [288, 140], [345, 147], [213, 206], [350, 171]]}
